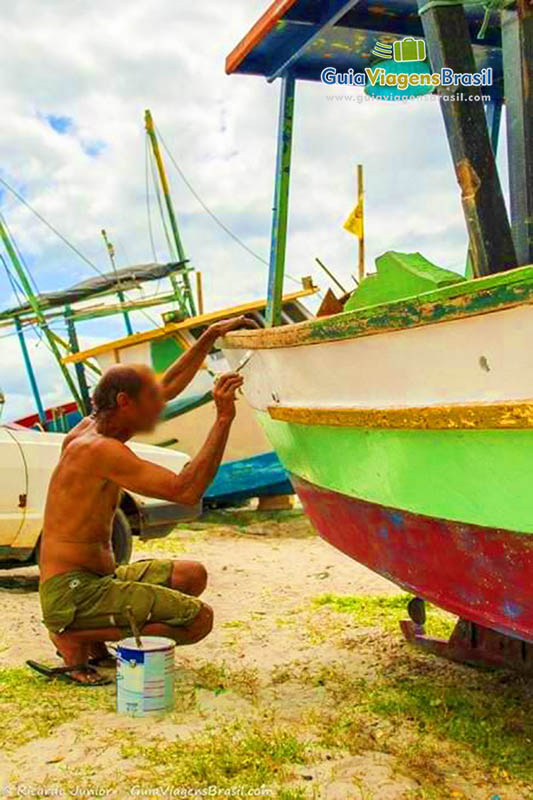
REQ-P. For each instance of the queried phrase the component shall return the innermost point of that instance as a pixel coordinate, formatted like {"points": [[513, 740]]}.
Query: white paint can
{"points": [[145, 676]]}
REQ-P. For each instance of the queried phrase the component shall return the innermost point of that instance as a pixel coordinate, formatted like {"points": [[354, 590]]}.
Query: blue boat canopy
{"points": [[304, 37]]}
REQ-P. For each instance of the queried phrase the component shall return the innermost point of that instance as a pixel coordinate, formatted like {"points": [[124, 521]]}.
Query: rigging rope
{"points": [[212, 214], [49, 225], [65, 241], [147, 196], [157, 191]]}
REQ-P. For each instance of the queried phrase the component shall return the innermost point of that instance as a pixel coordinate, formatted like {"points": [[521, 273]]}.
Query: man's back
{"points": [[79, 509]]}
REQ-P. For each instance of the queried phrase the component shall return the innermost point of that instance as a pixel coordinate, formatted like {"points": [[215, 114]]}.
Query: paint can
{"points": [[145, 676]]}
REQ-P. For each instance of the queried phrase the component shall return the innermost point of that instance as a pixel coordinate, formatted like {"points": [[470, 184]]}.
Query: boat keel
{"points": [[469, 643]]}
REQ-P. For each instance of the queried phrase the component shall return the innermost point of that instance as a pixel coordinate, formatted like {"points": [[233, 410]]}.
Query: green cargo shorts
{"points": [[81, 600]]}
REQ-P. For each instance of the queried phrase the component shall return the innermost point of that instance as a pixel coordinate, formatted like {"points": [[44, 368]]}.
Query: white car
{"points": [[27, 459]]}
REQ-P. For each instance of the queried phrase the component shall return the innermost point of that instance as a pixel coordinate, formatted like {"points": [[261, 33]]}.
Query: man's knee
{"points": [[189, 577], [207, 619], [202, 624]]}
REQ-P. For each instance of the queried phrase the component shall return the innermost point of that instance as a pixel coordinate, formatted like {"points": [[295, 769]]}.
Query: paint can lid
{"points": [[149, 644]]}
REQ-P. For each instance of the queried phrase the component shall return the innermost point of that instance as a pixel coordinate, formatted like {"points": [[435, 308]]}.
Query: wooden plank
{"points": [[280, 214], [517, 40], [262, 28], [448, 42]]}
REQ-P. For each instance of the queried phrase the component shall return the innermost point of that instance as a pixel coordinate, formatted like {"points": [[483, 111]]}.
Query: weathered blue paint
{"points": [[259, 476], [280, 213], [30, 373], [349, 42], [303, 36]]}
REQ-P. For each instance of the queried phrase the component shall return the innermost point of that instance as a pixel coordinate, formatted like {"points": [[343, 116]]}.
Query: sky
{"points": [[75, 79]]}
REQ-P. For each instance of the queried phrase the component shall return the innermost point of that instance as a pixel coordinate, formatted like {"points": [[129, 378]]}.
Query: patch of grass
{"points": [[385, 611], [220, 678], [491, 717], [292, 794], [236, 623], [439, 721], [32, 707], [175, 544], [249, 755], [241, 518]]}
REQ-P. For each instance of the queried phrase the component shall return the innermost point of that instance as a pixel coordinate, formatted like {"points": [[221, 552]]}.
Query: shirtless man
{"points": [[86, 600]]}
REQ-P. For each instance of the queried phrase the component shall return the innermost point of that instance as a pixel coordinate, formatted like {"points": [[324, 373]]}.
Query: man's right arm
{"points": [[118, 463]]}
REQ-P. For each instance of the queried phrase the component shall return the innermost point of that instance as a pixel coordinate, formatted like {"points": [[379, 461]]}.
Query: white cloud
{"points": [[101, 65]]}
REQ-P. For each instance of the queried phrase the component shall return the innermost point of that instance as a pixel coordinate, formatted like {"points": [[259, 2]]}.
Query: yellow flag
{"points": [[354, 223]]}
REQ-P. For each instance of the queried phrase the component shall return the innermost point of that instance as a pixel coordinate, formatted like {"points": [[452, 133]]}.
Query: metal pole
{"points": [[43, 324], [280, 211], [517, 44], [78, 366], [30, 373], [150, 130], [330, 275], [120, 293]]}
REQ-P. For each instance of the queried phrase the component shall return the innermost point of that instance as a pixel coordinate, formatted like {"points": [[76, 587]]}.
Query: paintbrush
{"points": [[134, 627]]}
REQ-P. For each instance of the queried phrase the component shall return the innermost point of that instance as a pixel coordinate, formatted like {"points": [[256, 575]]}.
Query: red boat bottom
{"points": [[483, 575]]}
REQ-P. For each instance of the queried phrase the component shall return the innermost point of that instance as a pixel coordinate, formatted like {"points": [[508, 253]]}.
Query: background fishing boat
{"points": [[253, 470], [406, 422]]}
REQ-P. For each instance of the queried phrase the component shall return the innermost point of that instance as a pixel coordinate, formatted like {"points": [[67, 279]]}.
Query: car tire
{"points": [[121, 538]]}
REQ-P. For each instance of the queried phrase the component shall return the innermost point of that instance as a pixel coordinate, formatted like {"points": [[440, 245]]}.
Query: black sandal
{"points": [[63, 673]]}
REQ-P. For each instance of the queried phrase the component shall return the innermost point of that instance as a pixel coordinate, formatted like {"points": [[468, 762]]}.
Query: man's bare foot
{"points": [[75, 653]]}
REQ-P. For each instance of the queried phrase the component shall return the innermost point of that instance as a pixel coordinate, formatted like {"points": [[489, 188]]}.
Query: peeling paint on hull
{"points": [[481, 574]]}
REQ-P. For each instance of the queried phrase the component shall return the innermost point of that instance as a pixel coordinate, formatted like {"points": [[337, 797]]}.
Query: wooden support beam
{"points": [[448, 43], [280, 212], [517, 41], [494, 121]]}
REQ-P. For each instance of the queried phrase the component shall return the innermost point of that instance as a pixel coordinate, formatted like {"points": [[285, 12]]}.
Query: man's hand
{"points": [[224, 395], [224, 326], [181, 373]]}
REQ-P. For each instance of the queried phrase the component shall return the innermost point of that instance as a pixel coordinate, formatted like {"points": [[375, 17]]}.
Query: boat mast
{"points": [[120, 294], [41, 319], [280, 212], [184, 294]]}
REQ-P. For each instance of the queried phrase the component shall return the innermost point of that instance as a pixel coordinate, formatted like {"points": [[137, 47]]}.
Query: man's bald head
{"points": [[121, 379]]}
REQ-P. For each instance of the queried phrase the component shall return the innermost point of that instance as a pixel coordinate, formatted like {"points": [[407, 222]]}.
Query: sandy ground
{"points": [[252, 574], [262, 583]]}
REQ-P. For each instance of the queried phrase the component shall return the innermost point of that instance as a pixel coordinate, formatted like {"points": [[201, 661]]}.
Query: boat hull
{"points": [[407, 430], [481, 574]]}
